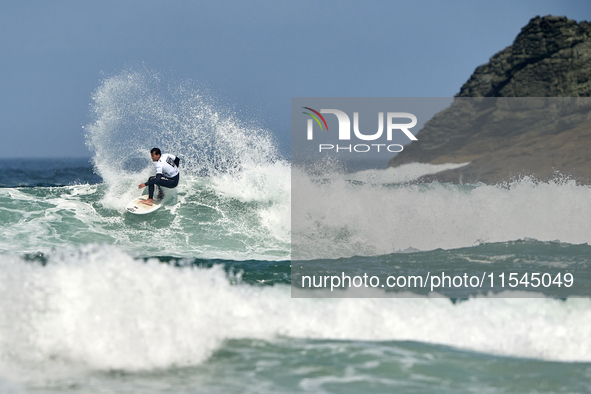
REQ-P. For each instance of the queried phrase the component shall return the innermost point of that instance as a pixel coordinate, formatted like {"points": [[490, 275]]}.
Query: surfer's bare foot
{"points": [[147, 201]]}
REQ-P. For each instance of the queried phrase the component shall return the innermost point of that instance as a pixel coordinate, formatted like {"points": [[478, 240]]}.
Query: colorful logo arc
{"points": [[315, 118]]}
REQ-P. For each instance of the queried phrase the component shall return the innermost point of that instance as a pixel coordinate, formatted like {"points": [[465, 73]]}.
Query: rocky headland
{"points": [[526, 112]]}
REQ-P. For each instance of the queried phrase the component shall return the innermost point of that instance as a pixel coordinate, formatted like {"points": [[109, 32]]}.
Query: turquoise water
{"points": [[257, 366], [195, 223]]}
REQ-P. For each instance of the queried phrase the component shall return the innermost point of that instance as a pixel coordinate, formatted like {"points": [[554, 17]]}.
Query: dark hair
{"points": [[156, 151]]}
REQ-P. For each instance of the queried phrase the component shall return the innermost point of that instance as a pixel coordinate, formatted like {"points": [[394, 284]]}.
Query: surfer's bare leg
{"points": [[147, 201]]}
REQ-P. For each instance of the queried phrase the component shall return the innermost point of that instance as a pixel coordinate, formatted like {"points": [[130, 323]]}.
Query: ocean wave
{"points": [[98, 308], [333, 217], [201, 221]]}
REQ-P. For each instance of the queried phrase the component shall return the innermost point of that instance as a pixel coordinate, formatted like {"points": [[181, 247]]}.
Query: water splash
{"points": [[138, 110]]}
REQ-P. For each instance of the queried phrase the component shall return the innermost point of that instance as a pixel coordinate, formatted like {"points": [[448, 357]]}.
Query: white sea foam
{"points": [[336, 218], [97, 308]]}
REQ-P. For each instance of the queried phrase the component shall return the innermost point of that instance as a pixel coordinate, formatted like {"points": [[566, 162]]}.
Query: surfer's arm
{"points": [[153, 180]]}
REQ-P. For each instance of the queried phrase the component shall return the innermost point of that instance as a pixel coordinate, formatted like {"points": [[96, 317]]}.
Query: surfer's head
{"points": [[155, 153]]}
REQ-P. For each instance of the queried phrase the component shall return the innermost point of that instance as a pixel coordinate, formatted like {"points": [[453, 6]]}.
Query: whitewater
{"points": [[197, 297]]}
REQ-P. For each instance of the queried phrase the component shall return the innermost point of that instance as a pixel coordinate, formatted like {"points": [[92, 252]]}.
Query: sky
{"points": [[254, 56]]}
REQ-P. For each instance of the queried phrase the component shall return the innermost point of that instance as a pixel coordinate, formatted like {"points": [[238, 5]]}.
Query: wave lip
{"points": [[404, 173]]}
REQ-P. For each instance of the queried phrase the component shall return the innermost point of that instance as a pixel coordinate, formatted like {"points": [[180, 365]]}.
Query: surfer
{"points": [[167, 173]]}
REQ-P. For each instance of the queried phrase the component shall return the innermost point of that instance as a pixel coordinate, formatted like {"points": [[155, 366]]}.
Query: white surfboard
{"points": [[138, 208]]}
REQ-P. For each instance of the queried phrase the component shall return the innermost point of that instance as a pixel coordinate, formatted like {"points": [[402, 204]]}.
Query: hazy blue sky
{"points": [[253, 55]]}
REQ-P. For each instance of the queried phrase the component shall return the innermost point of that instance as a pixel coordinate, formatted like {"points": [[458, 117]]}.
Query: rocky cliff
{"points": [[526, 112]]}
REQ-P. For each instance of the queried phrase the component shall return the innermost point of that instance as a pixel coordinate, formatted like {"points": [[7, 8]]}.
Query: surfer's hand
{"points": [[141, 186]]}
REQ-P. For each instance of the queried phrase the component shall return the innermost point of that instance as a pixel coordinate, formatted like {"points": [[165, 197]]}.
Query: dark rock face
{"points": [[551, 57], [503, 138]]}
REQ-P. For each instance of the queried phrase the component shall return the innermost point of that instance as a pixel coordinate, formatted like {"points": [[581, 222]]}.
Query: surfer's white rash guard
{"points": [[165, 166], [167, 173]]}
